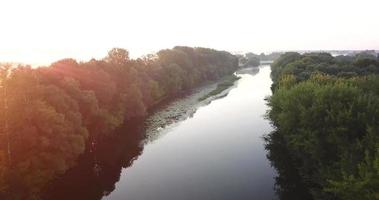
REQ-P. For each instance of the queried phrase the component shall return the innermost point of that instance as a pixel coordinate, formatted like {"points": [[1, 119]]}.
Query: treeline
{"points": [[51, 115], [264, 57], [253, 60], [303, 66], [326, 113]]}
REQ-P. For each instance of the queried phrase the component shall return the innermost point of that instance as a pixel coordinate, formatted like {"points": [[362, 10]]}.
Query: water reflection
{"points": [[216, 153], [163, 119], [96, 173], [288, 183], [250, 70]]}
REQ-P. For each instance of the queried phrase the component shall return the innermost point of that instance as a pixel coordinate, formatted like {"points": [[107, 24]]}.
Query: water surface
{"points": [[217, 153]]}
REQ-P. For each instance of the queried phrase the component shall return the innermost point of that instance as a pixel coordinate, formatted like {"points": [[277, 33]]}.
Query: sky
{"points": [[43, 31]]}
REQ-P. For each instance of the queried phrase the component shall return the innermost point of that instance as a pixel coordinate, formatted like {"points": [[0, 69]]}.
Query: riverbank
{"points": [[228, 82]]}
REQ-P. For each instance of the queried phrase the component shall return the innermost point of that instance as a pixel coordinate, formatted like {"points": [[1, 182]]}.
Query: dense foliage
{"points": [[51, 115], [326, 111], [264, 57], [254, 60], [302, 66]]}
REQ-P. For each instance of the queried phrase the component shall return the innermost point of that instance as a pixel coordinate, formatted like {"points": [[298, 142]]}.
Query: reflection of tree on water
{"points": [[183, 108], [97, 173], [289, 185], [250, 70], [98, 170], [163, 119]]}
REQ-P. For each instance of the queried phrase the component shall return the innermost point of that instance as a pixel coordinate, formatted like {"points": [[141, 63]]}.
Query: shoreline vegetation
{"points": [[325, 110], [49, 116], [225, 84]]}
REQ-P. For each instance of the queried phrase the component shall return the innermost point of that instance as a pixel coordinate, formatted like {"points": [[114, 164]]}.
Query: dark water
{"points": [[214, 152]]}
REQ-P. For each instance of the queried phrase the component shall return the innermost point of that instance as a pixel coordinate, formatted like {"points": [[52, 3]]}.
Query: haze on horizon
{"points": [[43, 31]]}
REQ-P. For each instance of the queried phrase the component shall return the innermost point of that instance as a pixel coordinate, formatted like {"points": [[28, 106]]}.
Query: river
{"points": [[210, 150]]}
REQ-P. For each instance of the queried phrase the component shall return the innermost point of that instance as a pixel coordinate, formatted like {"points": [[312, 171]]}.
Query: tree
{"points": [[325, 111], [4, 77], [50, 116], [117, 56]]}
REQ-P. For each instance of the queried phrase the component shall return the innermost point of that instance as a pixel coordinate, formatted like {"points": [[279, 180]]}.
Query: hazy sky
{"points": [[41, 31]]}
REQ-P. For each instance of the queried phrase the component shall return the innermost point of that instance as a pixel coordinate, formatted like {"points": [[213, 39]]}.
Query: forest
{"points": [[326, 112], [253, 60], [49, 116]]}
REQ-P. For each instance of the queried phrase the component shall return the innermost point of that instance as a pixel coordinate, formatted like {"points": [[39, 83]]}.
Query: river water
{"points": [[187, 150], [218, 153]]}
